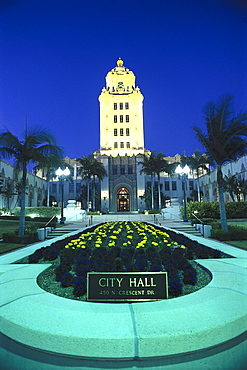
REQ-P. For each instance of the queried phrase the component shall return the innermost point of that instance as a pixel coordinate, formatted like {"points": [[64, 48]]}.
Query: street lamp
{"points": [[183, 172], [62, 175]]}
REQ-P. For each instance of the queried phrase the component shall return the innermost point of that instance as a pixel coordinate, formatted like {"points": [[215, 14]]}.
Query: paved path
{"points": [[156, 219]]}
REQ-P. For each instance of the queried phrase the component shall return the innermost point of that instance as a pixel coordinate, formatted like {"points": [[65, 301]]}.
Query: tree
{"points": [[98, 170], [155, 164], [148, 167], [52, 162], [243, 188], [161, 165], [36, 146], [196, 162], [224, 140], [89, 169], [230, 184]]}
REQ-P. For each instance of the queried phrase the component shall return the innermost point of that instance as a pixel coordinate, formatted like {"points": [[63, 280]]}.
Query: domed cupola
{"points": [[120, 80]]}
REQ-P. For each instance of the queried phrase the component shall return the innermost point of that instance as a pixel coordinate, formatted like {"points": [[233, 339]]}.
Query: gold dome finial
{"points": [[120, 62]]}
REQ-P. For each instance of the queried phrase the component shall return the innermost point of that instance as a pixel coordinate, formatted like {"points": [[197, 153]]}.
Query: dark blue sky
{"points": [[55, 55]]}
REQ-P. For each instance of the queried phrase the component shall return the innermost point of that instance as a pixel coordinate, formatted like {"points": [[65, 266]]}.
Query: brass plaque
{"points": [[126, 286]]}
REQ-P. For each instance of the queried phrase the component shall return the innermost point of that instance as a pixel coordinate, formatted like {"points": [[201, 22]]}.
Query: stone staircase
{"points": [[187, 229], [60, 231], [184, 227]]}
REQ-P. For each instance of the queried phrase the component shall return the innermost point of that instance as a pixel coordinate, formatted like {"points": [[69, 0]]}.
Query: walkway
{"points": [[157, 219], [203, 330]]}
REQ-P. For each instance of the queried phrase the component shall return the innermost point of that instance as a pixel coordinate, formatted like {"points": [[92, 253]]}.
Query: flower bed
{"points": [[123, 247]]}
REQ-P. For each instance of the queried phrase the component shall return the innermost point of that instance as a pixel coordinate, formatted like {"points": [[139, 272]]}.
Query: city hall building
{"points": [[121, 141], [122, 148]]}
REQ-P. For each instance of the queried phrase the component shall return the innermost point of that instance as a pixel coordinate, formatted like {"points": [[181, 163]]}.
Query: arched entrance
{"points": [[123, 200]]}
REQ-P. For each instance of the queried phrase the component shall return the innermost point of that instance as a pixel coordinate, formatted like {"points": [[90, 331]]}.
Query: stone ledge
{"points": [[202, 330], [205, 318]]}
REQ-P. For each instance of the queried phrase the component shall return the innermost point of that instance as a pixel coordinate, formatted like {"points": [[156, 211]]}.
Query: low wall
{"points": [[205, 329]]}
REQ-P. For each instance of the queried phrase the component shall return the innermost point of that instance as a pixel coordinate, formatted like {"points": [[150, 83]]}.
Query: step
{"points": [[188, 230], [59, 232]]}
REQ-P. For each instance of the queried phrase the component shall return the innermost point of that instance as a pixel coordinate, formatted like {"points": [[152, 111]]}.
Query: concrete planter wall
{"points": [[203, 330]]}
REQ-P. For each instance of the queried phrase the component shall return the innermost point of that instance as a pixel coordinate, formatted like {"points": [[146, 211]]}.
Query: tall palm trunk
{"points": [[23, 201], [223, 218], [48, 192], [93, 197], [152, 191], [159, 192], [198, 190], [88, 191]]}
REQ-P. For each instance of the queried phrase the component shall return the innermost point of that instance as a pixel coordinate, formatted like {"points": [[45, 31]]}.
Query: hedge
{"points": [[211, 210], [233, 233], [48, 212]]}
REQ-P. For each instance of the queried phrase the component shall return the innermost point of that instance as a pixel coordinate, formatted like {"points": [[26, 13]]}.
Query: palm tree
{"points": [[148, 167], [52, 163], [98, 170], [230, 185], [243, 188], [85, 171], [89, 169], [36, 145], [161, 165], [224, 140], [197, 162]]}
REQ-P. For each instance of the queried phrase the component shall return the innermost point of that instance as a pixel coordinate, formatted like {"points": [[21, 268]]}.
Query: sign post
{"points": [[126, 286]]}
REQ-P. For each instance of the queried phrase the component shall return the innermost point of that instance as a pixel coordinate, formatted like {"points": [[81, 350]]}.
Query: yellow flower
{"points": [[154, 243]]}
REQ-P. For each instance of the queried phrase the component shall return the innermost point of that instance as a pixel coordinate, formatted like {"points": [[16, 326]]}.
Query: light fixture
{"points": [[183, 172], [62, 175]]}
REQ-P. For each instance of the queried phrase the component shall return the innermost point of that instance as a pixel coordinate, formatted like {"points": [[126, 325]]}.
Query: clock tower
{"points": [[121, 141], [121, 114]]}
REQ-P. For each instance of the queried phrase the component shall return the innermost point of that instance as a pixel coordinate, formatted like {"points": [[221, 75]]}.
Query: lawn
{"points": [[242, 224], [242, 244], [8, 226]]}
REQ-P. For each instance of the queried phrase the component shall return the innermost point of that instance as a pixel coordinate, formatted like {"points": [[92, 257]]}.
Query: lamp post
{"points": [[183, 172], [62, 175]]}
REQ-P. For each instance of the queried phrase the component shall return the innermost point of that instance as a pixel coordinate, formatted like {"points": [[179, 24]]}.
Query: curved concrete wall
{"points": [[205, 329]]}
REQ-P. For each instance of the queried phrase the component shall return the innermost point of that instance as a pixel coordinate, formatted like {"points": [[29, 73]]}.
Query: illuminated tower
{"points": [[121, 141], [121, 114]]}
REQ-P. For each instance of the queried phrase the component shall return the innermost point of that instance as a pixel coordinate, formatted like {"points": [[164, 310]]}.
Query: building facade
{"points": [[122, 147], [9, 190], [208, 182], [121, 141]]}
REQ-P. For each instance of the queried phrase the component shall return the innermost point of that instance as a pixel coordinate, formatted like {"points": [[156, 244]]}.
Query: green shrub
{"points": [[15, 238], [152, 211], [48, 212], [236, 210], [207, 210], [30, 236], [233, 233]]}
